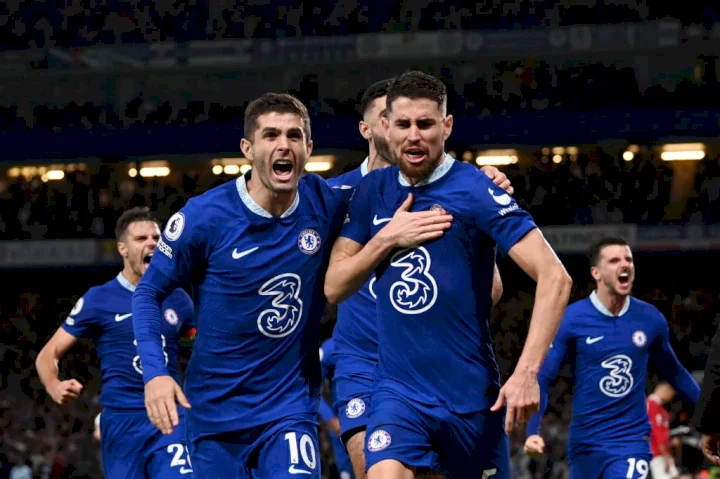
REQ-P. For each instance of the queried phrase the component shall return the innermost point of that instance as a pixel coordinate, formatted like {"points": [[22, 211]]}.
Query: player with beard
{"points": [[255, 250], [355, 334], [437, 399], [609, 339], [132, 448]]}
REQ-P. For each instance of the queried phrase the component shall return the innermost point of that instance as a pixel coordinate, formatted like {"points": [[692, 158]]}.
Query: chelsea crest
{"points": [[309, 241]]}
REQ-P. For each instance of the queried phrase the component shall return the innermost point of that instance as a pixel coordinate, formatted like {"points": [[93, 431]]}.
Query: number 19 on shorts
{"points": [[304, 449], [641, 466]]}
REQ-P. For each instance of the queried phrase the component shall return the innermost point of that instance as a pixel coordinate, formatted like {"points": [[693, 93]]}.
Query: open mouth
{"points": [[624, 278], [147, 258], [283, 169], [414, 156]]}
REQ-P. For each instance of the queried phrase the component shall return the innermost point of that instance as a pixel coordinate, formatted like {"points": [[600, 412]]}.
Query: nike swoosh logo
{"points": [[120, 317], [343, 187], [590, 340], [185, 470], [379, 221], [293, 470], [237, 255]]}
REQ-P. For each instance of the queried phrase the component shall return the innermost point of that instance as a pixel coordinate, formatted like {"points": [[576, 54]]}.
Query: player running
{"points": [[355, 334], [132, 448], [609, 339], [437, 397], [255, 250]]}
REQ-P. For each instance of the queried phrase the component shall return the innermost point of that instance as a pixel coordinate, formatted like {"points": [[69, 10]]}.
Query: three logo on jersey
{"points": [[619, 381]]}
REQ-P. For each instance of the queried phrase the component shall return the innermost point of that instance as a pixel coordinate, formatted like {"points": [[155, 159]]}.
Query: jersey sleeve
{"points": [[548, 372], [669, 367], [182, 249], [186, 314], [82, 320], [499, 215], [356, 224]]}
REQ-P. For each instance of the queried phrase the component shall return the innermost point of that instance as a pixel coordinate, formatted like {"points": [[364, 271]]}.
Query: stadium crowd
{"points": [[509, 87], [27, 24], [594, 187]]}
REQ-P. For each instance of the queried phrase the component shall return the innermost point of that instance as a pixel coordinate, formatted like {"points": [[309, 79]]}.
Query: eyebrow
{"points": [[277, 131]]}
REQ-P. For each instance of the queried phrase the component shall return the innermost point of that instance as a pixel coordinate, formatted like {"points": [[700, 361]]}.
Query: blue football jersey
{"points": [[434, 301], [258, 288], [609, 358], [355, 333], [103, 315]]}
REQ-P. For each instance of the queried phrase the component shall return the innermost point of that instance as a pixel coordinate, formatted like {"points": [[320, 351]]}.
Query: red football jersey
{"points": [[660, 424]]}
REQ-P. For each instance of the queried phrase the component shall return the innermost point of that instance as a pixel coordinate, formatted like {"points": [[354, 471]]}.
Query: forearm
{"points": [[551, 298], [147, 323], [46, 365], [347, 275], [533, 425]]}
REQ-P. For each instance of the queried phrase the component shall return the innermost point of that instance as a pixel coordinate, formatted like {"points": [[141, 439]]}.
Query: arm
{"points": [[352, 263], [548, 374], [671, 370], [170, 267], [537, 259], [534, 255], [47, 368]]}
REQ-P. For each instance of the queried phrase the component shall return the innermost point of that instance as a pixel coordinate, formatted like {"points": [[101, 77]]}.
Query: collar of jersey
{"points": [[125, 283], [601, 307], [439, 172], [364, 166], [256, 208]]}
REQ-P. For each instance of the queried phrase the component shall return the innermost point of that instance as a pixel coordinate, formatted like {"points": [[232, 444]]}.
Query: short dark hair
{"points": [[376, 90], [417, 85], [596, 248], [133, 215], [274, 103]]}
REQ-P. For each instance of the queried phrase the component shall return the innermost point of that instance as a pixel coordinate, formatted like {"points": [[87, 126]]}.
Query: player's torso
{"points": [[434, 300], [355, 334], [610, 368], [121, 368]]}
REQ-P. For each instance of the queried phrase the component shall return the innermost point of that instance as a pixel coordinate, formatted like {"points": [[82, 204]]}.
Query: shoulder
{"points": [[180, 296], [578, 308], [203, 211], [646, 309], [347, 180]]}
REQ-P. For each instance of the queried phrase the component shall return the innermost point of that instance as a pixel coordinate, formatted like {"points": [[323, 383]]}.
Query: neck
{"points": [[613, 302], [375, 161], [274, 203], [130, 275]]}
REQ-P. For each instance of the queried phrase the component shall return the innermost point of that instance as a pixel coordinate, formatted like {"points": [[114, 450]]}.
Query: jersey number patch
{"points": [[286, 311], [304, 449], [178, 451], [619, 381], [416, 292]]}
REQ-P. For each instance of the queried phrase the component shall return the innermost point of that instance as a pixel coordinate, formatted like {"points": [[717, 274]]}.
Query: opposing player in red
{"points": [[663, 463]]}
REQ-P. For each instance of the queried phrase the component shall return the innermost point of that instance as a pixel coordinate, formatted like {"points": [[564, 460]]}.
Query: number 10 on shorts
{"points": [[304, 449]]}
